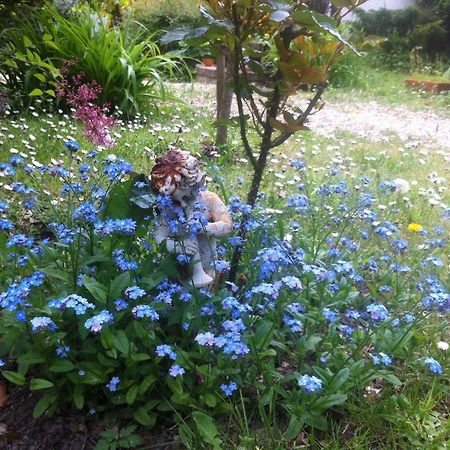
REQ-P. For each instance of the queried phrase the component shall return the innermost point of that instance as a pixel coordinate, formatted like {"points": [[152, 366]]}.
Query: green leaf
{"points": [[40, 383], [31, 357], [328, 401], [339, 379], [207, 428], [210, 400], [121, 342], [263, 335], [62, 365], [98, 291], [144, 418], [35, 93], [148, 381], [91, 378], [327, 26], [43, 404], [294, 428], [58, 274], [50, 92], [119, 284], [393, 379], [140, 357], [14, 377], [279, 15], [40, 77], [27, 42], [181, 34], [132, 394], [78, 397]]}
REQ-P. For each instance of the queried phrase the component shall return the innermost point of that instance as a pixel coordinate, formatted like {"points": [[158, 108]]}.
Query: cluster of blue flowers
{"points": [[310, 383]]}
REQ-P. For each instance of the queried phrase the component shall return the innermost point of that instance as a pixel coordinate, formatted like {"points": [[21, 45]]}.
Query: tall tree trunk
{"points": [[224, 97]]}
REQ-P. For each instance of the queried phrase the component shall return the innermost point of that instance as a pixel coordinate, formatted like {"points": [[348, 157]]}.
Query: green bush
{"points": [[160, 16], [426, 25], [129, 69]]}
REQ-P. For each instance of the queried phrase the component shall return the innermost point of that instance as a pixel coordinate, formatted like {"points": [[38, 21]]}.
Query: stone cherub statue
{"points": [[191, 218]]}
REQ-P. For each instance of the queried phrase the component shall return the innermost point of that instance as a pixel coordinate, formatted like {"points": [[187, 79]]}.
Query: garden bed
{"points": [[19, 430], [430, 86]]}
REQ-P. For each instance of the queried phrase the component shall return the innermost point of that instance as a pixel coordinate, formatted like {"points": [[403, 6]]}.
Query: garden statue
{"points": [[191, 218]]}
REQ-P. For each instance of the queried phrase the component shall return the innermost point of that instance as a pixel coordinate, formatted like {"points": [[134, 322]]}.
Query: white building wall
{"points": [[388, 4], [378, 4]]}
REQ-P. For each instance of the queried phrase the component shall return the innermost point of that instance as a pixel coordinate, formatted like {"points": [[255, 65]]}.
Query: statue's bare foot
{"points": [[201, 279]]}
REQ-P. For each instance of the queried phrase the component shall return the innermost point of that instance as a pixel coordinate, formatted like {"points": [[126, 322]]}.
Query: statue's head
{"points": [[176, 170]]}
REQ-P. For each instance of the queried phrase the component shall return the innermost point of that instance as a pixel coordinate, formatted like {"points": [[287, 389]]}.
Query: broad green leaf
{"points": [[121, 342], [263, 335], [279, 15], [98, 291], [339, 380], [58, 274], [207, 428], [62, 365], [27, 41], [144, 418], [50, 92], [132, 394], [148, 381], [78, 397], [119, 284], [40, 383], [393, 379], [35, 93], [294, 428], [14, 377], [40, 77], [330, 28], [44, 403], [31, 357], [210, 400], [328, 401]]}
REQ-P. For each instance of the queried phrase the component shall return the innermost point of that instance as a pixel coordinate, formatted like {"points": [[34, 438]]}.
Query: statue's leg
{"points": [[199, 277]]}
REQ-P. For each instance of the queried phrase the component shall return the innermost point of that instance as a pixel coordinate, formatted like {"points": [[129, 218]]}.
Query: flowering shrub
{"points": [[335, 295], [81, 96]]}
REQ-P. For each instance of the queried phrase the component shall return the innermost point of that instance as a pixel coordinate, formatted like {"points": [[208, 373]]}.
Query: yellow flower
{"points": [[414, 227]]}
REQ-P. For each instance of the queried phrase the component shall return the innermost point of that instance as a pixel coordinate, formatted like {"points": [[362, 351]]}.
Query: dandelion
{"points": [[415, 227], [443, 345]]}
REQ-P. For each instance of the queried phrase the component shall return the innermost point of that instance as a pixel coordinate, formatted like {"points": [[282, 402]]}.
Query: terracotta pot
{"points": [[430, 86], [208, 62]]}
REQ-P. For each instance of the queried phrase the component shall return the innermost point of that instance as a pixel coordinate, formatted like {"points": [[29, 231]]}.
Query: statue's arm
{"points": [[221, 223], [188, 246]]}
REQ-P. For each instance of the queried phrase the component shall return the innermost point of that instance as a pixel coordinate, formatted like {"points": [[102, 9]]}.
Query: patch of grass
{"points": [[389, 87]]}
